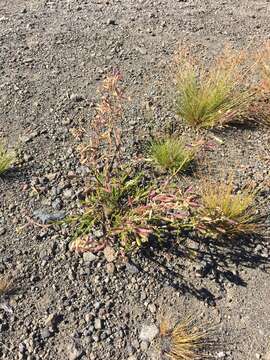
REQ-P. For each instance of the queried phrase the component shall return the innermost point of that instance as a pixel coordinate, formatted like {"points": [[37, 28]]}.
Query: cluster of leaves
{"points": [[6, 159], [129, 211]]}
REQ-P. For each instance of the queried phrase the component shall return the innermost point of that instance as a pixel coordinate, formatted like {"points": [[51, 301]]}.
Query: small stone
{"points": [[221, 355], [88, 257], [46, 217], [110, 268], [76, 97], [132, 268], [95, 338], [22, 348], [98, 324], [152, 308], [111, 22], [52, 320], [45, 333], [68, 193], [144, 345], [74, 352], [148, 332], [2, 231], [109, 253]]}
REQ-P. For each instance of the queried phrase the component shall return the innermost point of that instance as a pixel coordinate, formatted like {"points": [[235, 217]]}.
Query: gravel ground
{"points": [[64, 306]]}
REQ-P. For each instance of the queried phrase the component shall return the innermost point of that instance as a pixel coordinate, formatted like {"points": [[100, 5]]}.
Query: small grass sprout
{"points": [[172, 154], [215, 95], [6, 159], [224, 213], [186, 341], [5, 285]]}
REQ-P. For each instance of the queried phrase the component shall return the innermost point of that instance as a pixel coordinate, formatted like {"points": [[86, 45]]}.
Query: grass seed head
{"points": [[226, 213], [212, 96]]}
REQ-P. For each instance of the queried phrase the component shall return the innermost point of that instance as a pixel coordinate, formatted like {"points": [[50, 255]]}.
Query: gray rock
{"points": [[45, 333], [76, 97], [74, 352], [2, 231], [46, 217], [88, 257], [98, 324], [111, 22], [57, 204], [68, 193], [144, 345], [148, 332], [132, 268], [109, 254], [221, 355]]}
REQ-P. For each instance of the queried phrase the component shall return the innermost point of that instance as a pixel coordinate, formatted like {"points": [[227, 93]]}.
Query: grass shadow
{"points": [[214, 261]]}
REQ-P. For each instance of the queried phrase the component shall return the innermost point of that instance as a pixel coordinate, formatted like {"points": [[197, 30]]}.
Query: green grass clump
{"points": [[172, 154], [224, 213], [6, 159], [207, 97]]}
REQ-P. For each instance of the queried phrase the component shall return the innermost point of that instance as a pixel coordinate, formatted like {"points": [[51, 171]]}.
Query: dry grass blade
{"points": [[6, 159], [261, 107], [212, 96], [186, 341], [226, 213], [5, 285]]}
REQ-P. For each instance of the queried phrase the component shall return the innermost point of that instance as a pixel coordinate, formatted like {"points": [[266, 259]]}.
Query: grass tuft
{"points": [[186, 341], [207, 97], [5, 285], [6, 159], [172, 154], [224, 213], [261, 107]]}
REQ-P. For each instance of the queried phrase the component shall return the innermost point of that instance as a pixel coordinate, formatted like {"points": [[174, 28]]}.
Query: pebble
{"points": [[111, 22], [46, 217], [109, 254], [2, 231], [110, 268], [148, 332], [132, 268], [152, 308], [98, 324], [88, 257], [74, 352], [45, 333], [221, 355], [76, 97]]}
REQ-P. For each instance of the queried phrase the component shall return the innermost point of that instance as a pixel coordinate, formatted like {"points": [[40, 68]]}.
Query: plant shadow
{"points": [[212, 261]]}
